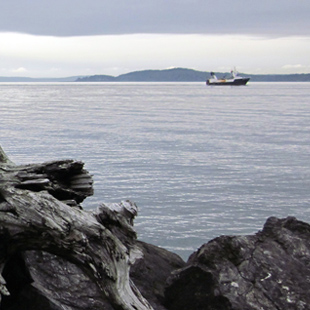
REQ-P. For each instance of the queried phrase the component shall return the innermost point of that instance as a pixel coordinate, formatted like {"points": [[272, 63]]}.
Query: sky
{"points": [[61, 38]]}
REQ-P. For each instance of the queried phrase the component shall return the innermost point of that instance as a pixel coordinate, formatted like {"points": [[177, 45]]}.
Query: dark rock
{"points": [[269, 271], [151, 271], [62, 284]]}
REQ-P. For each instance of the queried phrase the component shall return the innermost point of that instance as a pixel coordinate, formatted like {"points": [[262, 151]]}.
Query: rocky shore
{"points": [[56, 256]]}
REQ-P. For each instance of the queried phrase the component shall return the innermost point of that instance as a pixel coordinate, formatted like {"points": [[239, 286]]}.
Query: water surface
{"points": [[198, 161]]}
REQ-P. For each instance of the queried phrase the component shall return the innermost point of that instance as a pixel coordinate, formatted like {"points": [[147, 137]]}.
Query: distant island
{"points": [[188, 75], [166, 75]]}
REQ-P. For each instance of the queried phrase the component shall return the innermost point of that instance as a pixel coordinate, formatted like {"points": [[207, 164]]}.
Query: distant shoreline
{"points": [[167, 75]]}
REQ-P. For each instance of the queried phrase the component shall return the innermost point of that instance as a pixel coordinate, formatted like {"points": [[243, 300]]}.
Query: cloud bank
{"points": [[78, 37], [116, 54], [101, 17]]}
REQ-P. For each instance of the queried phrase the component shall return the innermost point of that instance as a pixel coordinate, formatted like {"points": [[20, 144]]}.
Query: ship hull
{"points": [[235, 82]]}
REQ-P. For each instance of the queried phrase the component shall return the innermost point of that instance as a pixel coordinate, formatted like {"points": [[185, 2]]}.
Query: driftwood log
{"points": [[40, 211]]}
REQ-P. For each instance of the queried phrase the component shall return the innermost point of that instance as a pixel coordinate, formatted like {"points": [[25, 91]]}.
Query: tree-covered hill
{"points": [[166, 75], [188, 75]]}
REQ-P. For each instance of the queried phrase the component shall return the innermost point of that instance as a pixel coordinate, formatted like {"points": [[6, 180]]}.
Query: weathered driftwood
{"points": [[39, 210]]}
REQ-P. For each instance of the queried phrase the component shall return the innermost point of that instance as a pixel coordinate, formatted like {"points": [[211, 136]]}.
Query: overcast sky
{"points": [[78, 37]]}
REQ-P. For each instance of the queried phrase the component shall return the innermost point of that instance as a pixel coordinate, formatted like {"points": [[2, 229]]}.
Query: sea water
{"points": [[198, 161]]}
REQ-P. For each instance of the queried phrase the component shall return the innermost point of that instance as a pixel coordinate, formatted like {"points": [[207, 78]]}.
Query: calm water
{"points": [[199, 162]]}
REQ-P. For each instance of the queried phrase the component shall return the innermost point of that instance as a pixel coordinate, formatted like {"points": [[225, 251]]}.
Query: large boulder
{"points": [[266, 271]]}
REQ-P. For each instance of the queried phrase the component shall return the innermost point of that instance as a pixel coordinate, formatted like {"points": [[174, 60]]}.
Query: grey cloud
{"points": [[96, 17]]}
